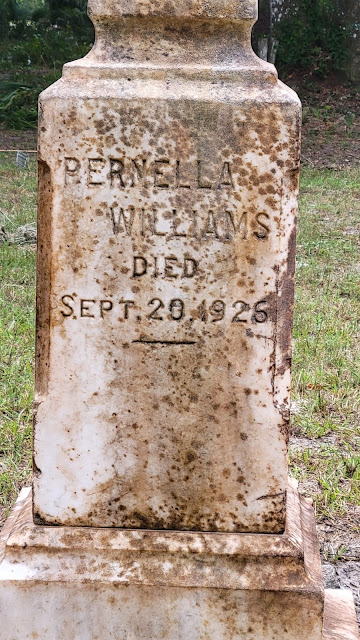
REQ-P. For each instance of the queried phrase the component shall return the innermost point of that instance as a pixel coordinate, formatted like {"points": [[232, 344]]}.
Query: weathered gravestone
{"points": [[168, 182], [166, 284]]}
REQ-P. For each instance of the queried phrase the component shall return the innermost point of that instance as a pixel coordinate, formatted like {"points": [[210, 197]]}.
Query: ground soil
{"points": [[331, 124], [18, 140]]}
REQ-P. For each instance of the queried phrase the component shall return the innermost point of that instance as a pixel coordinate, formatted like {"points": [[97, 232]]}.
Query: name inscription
{"points": [[202, 225], [218, 223], [120, 175], [162, 173]]}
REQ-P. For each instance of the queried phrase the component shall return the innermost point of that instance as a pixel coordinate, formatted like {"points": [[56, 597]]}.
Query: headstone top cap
{"points": [[217, 9]]}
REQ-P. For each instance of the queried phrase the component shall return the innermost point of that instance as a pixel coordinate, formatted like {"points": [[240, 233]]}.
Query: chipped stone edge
{"points": [[340, 621], [10, 524]]}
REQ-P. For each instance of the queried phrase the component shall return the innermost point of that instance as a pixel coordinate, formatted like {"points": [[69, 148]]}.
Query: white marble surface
{"points": [[90, 584], [167, 239]]}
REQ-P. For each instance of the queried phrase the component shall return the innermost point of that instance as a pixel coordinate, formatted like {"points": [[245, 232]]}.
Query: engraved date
{"points": [[157, 310]]}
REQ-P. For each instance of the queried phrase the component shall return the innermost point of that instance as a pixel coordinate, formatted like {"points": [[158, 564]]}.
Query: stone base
{"points": [[60, 583], [340, 621]]}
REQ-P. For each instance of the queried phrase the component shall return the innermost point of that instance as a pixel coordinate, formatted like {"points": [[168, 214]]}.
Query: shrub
{"points": [[312, 37]]}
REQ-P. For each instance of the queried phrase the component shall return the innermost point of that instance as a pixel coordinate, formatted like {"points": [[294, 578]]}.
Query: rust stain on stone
{"points": [[167, 320]]}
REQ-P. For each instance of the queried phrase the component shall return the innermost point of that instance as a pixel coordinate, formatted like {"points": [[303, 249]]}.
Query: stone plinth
{"points": [[340, 621], [87, 584], [168, 180], [69, 583]]}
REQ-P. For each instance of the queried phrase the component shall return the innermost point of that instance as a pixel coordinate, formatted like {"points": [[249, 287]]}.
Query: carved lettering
{"points": [[177, 309], [95, 177], [175, 222], [230, 228], [85, 310], [202, 183], [226, 179], [243, 226], [67, 301], [139, 176], [209, 311], [221, 225], [167, 267], [155, 230], [162, 173], [178, 180], [72, 171], [105, 307], [190, 268], [210, 227], [122, 221], [127, 305], [116, 173], [264, 230], [140, 267], [159, 179]]}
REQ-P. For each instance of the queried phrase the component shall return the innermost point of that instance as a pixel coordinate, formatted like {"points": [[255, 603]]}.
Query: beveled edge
{"points": [[257, 74], [258, 562], [9, 527], [254, 545], [208, 9]]}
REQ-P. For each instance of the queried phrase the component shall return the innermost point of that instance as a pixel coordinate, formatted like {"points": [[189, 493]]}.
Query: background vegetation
{"points": [[312, 36], [37, 37], [318, 54]]}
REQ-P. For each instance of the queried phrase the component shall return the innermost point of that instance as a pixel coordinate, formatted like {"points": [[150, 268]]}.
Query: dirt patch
{"points": [[331, 122], [338, 537], [18, 140]]}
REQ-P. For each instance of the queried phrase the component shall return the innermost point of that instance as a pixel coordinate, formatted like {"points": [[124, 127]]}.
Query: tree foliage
{"points": [[11, 12], [70, 14], [313, 35], [63, 14]]}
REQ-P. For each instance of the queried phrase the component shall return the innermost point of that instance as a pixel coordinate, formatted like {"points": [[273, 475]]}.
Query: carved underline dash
{"points": [[166, 342], [272, 495]]}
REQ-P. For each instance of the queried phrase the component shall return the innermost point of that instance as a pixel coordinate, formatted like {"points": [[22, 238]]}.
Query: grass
{"points": [[326, 373], [17, 318], [326, 369]]}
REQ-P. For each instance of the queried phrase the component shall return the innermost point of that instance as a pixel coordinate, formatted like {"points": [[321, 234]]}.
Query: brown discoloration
{"points": [[223, 585], [286, 306], [170, 286], [227, 9], [44, 265]]}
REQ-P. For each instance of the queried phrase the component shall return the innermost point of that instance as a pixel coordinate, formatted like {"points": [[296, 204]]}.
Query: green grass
{"points": [[326, 373], [326, 369], [17, 317]]}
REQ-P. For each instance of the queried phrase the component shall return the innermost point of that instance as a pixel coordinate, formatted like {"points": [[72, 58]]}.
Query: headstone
{"points": [[168, 173], [22, 159], [165, 304]]}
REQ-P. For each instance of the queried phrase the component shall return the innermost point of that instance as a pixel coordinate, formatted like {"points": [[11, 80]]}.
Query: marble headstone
{"points": [[167, 213]]}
